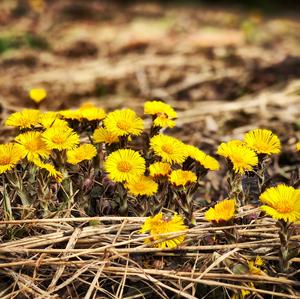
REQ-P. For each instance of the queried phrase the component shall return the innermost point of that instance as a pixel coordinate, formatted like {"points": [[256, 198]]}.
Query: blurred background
{"points": [[226, 66]]}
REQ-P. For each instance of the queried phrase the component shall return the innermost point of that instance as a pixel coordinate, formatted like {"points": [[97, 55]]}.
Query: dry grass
{"points": [[67, 258]]}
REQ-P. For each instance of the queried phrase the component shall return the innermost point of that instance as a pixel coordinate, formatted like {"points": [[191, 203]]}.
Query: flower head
{"points": [[182, 177], [32, 145], [52, 172], [143, 186], [26, 118], [81, 153], [60, 138], [242, 158], [163, 121], [37, 94], [125, 165], [102, 135], [10, 155], [263, 141], [205, 160], [124, 122], [92, 113], [159, 108], [71, 114], [282, 202], [51, 119], [298, 146], [160, 224], [168, 148], [159, 169], [221, 212]]}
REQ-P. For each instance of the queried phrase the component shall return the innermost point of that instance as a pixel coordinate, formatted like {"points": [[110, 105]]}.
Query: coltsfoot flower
{"points": [[242, 158], [158, 169], [10, 155], [168, 148], [142, 186], [163, 121], [32, 145], [125, 165], [81, 153], [161, 224], [263, 141], [102, 135], [124, 122], [281, 202], [24, 119], [205, 160], [52, 172], [60, 138], [221, 212], [37, 94], [159, 108], [182, 177]]}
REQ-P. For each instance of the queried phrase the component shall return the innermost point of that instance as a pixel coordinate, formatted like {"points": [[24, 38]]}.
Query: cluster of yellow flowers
{"points": [[244, 155], [142, 163]]}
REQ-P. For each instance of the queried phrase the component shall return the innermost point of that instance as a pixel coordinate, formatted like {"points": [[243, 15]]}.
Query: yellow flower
{"points": [[159, 169], [92, 113], [52, 172], [71, 114], [263, 141], [51, 119], [254, 266], [159, 108], [24, 119], [163, 121], [10, 155], [37, 94], [60, 138], [103, 135], [160, 224], [125, 165], [298, 146], [221, 212], [242, 158], [124, 122], [182, 177], [143, 186], [32, 145], [282, 202], [168, 148], [205, 160], [81, 153]]}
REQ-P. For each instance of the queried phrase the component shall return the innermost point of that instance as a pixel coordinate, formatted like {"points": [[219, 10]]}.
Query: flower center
{"points": [[261, 147], [124, 166], [168, 148], [139, 187], [4, 160], [58, 139], [123, 125], [284, 207], [33, 145]]}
